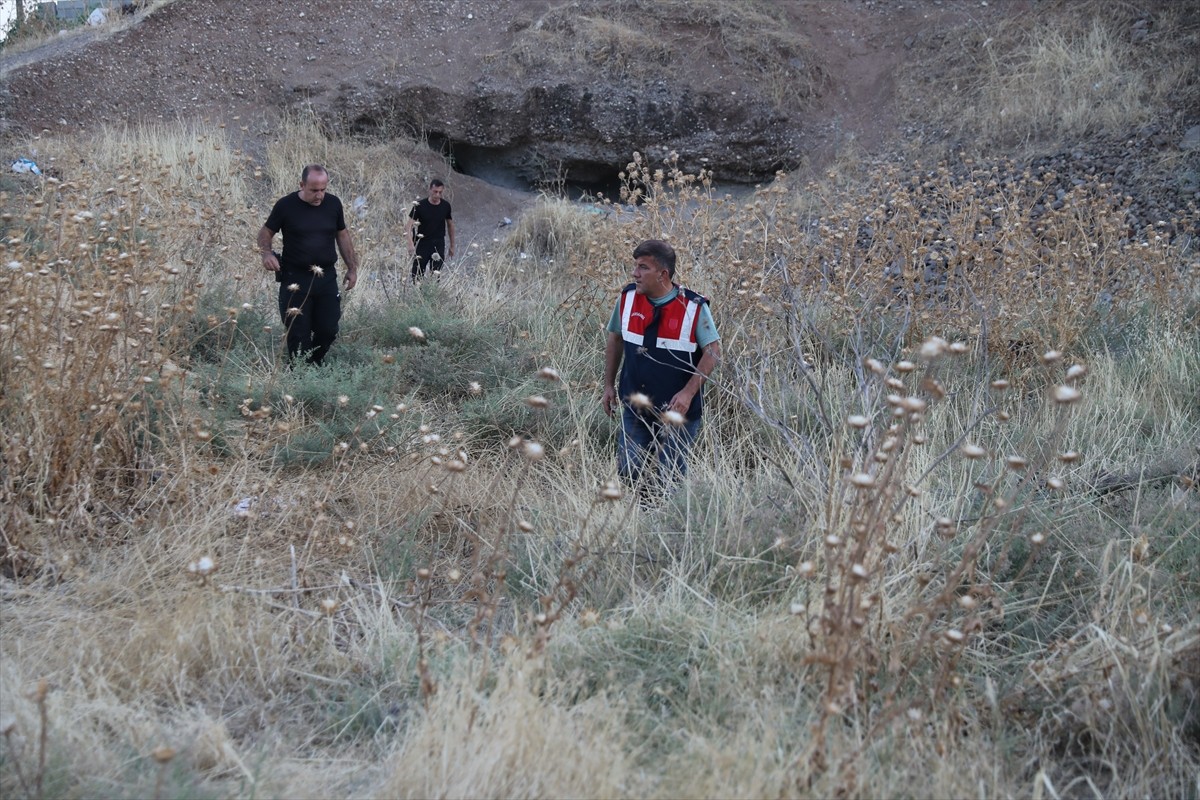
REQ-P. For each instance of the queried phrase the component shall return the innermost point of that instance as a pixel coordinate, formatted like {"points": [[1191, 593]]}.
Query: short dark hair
{"points": [[311, 168], [436, 182], [660, 251]]}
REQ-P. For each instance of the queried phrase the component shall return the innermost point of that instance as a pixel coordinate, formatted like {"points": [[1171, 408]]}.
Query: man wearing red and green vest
{"points": [[663, 340]]}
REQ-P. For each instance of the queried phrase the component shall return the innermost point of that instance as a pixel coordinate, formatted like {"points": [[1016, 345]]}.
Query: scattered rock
{"points": [[1190, 139]]}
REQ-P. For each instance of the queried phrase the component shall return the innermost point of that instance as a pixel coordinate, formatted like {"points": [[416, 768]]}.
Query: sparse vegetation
{"points": [[940, 531], [1063, 73], [38, 26]]}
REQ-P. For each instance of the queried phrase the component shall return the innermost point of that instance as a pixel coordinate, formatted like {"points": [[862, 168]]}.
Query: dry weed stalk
{"points": [[891, 621], [8, 728], [102, 276]]}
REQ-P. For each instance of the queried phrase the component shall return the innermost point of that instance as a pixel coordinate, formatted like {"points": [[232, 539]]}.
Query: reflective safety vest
{"points": [[661, 352]]}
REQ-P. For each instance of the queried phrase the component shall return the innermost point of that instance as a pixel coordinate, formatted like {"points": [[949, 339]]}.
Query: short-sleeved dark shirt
{"points": [[431, 222], [309, 232]]}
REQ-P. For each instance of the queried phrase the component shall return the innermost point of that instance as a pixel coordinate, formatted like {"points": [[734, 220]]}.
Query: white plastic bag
{"points": [[98, 16]]}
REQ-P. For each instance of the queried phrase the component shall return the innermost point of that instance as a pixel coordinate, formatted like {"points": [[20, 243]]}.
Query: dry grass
{"points": [[1063, 73], [889, 545], [38, 31]]}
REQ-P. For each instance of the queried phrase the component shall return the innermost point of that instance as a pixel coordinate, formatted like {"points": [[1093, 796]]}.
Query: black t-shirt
{"points": [[309, 232], [431, 222]]}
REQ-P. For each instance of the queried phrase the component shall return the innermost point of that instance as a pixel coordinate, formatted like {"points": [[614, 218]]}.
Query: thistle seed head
{"points": [[1065, 394], [203, 566], [640, 401], [863, 480], [611, 491], [933, 347], [163, 754]]}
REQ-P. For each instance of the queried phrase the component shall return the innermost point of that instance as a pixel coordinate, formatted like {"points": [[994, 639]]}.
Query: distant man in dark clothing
{"points": [[426, 228], [663, 340], [314, 231]]}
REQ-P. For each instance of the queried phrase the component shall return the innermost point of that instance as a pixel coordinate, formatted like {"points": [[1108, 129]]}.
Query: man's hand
{"points": [[610, 400], [613, 350], [681, 402], [265, 237], [351, 278]]}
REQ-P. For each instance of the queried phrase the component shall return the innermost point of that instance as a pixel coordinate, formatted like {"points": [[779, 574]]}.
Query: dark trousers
{"points": [[424, 260], [642, 437], [310, 317]]}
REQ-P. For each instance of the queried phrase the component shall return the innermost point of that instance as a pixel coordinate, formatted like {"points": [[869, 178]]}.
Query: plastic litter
{"points": [[98, 17], [242, 509], [25, 165]]}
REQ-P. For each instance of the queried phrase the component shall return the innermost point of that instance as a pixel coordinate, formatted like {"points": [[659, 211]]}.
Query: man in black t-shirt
{"points": [[425, 230], [314, 231]]}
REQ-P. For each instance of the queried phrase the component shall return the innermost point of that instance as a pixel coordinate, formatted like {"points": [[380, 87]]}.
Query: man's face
{"points": [[649, 278], [312, 191], [435, 194]]}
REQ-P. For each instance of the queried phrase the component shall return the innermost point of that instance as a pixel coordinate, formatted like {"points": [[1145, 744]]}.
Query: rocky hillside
{"points": [[524, 93], [517, 88]]}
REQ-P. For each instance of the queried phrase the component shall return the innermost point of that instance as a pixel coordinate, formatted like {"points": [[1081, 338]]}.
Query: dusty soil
{"points": [[249, 62]]}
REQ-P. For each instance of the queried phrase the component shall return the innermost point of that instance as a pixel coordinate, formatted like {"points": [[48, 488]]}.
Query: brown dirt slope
{"points": [[251, 60], [245, 64]]}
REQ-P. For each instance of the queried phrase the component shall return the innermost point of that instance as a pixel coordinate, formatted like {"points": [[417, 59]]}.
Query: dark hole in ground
{"points": [[527, 169]]}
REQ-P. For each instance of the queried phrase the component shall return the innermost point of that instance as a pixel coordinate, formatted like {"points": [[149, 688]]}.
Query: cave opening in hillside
{"points": [[526, 168]]}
